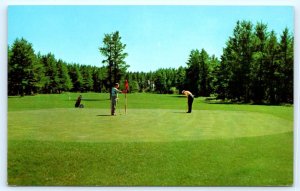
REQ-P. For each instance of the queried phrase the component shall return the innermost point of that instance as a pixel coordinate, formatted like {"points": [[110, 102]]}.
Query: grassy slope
{"points": [[258, 161], [44, 157]]}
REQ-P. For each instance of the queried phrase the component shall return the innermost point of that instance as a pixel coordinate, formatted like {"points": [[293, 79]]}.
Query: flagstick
{"points": [[125, 103]]}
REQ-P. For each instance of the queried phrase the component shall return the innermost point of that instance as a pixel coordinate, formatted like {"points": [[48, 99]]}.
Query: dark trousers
{"points": [[114, 101], [190, 103]]}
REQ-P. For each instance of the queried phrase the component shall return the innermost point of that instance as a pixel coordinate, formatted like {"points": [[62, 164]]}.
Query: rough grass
{"points": [[155, 144]]}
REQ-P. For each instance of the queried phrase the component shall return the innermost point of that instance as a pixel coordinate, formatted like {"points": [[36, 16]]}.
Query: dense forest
{"points": [[256, 67]]}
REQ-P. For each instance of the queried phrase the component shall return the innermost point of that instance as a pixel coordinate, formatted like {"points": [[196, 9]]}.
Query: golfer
{"points": [[114, 98], [190, 97]]}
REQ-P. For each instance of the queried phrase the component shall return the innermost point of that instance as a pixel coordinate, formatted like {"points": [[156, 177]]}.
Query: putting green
{"points": [[154, 125]]}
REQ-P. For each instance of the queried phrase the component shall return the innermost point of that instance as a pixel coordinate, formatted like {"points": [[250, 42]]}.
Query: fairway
{"points": [[154, 144]]}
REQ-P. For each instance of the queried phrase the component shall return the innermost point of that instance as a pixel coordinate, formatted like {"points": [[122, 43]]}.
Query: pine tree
{"points": [[25, 71], [193, 72], [258, 64], [65, 83], [76, 77], [286, 66], [113, 51], [271, 73], [51, 73], [87, 76]]}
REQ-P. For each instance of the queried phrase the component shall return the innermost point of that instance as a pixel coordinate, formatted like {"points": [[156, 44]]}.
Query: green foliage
{"points": [[160, 81], [198, 73], [99, 79], [76, 77], [113, 51], [30, 73], [25, 72], [180, 80], [174, 90], [51, 73], [87, 75], [286, 66], [256, 67], [65, 83], [134, 86]]}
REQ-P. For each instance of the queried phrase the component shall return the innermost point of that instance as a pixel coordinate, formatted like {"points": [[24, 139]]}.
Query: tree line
{"points": [[30, 73], [256, 66]]}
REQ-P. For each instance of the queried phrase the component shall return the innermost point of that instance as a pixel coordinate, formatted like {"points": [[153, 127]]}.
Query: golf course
{"points": [[155, 143]]}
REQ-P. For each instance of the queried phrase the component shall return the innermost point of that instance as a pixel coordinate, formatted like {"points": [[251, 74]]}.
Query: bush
{"points": [[173, 90]]}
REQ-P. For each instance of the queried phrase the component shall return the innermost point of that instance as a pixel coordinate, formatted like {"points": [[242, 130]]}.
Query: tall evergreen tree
{"points": [[271, 74], [198, 73], [160, 81], [87, 75], [76, 77], [99, 79], [10, 82], [242, 35], [193, 72], [286, 66], [65, 82], [180, 81], [258, 64], [25, 71], [236, 58], [212, 74], [221, 83], [204, 74], [113, 51], [51, 73]]}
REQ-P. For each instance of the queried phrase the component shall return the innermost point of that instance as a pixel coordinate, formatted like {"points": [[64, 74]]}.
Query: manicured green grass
{"points": [[141, 125], [155, 144], [241, 161]]}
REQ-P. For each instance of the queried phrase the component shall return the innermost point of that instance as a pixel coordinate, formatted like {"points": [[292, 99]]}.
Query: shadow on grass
{"points": [[178, 96], [182, 112], [89, 99], [223, 102], [95, 99], [9, 97], [208, 101], [103, 115]]}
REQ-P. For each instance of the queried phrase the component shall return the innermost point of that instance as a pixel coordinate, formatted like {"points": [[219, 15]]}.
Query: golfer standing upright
{"points": [[114, 98], [190, 97]]}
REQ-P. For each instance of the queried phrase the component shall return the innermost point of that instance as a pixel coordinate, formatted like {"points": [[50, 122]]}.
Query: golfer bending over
{"points": [[190, 97], [114, 98]]}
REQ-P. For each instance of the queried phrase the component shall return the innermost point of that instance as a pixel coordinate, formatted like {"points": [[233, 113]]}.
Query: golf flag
{"points": [[126, 86]]}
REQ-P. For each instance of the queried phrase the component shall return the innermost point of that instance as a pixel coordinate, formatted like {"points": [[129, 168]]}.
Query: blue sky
{"points": [[156, 36]]}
